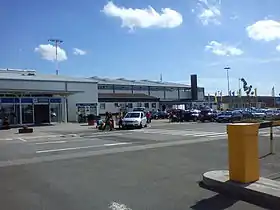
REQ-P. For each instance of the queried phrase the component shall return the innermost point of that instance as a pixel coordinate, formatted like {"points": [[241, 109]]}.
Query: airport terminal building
{"points": [[27, 97]]}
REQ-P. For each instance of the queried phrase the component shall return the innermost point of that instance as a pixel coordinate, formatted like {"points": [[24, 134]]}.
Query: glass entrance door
{"points": [[27, 114]]}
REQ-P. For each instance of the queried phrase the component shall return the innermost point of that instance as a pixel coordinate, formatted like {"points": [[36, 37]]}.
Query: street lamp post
{"points": [[56, 42], [227, 69], [239, 93]]}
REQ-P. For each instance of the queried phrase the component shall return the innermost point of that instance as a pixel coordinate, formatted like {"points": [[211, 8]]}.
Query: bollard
{"points": [[271, 144], [243, 154]]}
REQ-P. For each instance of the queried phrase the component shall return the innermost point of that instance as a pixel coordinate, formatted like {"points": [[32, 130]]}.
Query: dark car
{"points": [[160, 115], [229, 116], [207, 115], [191, 115]]}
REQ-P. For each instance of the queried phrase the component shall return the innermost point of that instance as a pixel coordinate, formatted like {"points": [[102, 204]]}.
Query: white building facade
{"points": [[27, 97], [165, 94], [30, 98]]}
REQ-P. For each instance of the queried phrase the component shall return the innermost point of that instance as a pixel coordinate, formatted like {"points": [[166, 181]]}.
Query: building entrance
{"points": [[41, 113], [33, 110]]}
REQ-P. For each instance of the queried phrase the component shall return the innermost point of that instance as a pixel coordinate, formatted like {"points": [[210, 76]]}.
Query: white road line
{"points": [[78, 148], [51, 142], [116, 144], [211, 135], [181, 133], [21, 139], [7, 139], [75, 138], [105, 134]]}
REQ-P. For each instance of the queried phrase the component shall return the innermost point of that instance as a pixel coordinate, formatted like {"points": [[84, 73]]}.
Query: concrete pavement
{"points": [[153, 168], [160, 178], [173, 134]]}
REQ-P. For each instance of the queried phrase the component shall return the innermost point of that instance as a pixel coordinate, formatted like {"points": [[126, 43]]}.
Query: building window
{"points": [[147, 105], [116, 104], [102, 106], [139, 104], [129, 105], [140, 88], [123, 87], [107, 87], [154, 105]]}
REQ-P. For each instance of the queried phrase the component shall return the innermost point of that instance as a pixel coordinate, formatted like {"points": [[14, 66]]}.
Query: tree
{"points": [[248, 89]]}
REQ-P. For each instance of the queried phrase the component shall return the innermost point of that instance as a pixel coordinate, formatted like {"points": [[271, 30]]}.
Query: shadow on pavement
{"points": [[225, 199], [266, 155], [217, 202]]}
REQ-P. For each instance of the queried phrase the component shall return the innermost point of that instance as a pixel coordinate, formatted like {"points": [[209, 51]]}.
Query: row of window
{"points": [[130, 105], [118, 87]]}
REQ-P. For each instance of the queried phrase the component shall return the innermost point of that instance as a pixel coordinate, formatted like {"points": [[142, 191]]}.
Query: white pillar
{"points": [[20, 112], [65, 109]]}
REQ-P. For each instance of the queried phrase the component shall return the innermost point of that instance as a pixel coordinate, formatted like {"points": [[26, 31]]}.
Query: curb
{"points": [[264, 192]]}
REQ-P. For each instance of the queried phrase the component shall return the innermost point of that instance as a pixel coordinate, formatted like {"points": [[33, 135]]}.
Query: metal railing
{"points": [[270, 125]]}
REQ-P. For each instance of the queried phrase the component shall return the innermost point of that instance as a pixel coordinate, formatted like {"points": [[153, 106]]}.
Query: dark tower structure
{"points": [[194, 87]]}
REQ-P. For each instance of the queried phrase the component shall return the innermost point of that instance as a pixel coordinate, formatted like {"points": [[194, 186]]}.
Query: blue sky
{"points": [[141, 39]]}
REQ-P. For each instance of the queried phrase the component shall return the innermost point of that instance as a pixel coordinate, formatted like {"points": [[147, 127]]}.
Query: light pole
{"points": [[229, 95], [56, 42], [239, 93], [227, 69]]}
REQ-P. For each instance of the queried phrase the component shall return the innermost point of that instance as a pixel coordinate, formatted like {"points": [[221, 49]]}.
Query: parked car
{"points": [[246, 113], [191, 115], [176, 115], [258, 114], [207, 115], [134, 119], [159, 115], [229, 116]]}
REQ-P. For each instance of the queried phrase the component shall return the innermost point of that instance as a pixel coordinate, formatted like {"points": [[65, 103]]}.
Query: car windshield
{"points": [[139, 109], [227, 113], [132, 115]]}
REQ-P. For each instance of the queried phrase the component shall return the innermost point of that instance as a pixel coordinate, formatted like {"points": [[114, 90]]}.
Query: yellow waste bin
{"points": [[243, 154]]}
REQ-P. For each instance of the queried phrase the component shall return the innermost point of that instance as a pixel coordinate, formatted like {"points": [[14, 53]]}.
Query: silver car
{"points": [[134, 119]]}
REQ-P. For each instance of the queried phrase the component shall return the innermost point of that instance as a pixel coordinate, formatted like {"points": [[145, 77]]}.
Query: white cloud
{"points": [[278, 47], [77, 51], [209, 12], [144, 18], [267, 30], [223, 49], [48, 52]]}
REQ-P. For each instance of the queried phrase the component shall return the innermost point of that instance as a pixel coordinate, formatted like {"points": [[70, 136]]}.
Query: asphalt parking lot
{"points": [[152, 168]]}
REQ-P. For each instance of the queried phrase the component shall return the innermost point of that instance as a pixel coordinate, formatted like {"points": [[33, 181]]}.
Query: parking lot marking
{"points": [[105, 134], [79, 148], [50, 142], [21, 139], [182, 133], [7, 139]]}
